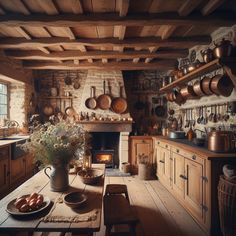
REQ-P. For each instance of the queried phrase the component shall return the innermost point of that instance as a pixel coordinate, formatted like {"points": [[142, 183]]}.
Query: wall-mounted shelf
{"points": [[59, 97], [226, 63]]}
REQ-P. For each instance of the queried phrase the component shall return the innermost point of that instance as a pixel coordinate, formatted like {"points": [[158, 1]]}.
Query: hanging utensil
{"points": [[68, 80], [76, 84], [199, 116], [104, 100], [91, 102], [119, 104]]}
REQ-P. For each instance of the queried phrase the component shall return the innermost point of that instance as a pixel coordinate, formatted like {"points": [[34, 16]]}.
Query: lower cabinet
{"points": [[182, 173], [21, 169], [4, 169]]}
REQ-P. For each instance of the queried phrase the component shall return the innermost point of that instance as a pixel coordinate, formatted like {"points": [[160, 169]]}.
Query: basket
{"points": [[144, 171], [227, 206]]}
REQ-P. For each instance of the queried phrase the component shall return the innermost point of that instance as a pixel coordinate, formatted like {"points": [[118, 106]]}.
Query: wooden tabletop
{"points": [[40, 183]]}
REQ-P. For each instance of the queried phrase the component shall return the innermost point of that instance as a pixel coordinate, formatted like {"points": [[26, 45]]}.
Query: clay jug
{"points": [[59, 179]]}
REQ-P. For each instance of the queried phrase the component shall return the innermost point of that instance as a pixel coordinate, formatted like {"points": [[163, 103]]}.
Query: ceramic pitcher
{"points": [[59, 179]]}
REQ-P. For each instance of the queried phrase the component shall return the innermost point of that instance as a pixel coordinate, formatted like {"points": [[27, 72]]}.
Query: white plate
{"points": [[14, 211]]}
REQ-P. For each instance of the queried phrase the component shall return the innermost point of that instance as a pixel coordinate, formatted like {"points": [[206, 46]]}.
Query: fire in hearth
{"points": [[104, 157]]}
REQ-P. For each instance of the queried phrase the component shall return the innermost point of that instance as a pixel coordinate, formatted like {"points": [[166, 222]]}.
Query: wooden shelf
{"points": [[59, 97], [211, 66]]}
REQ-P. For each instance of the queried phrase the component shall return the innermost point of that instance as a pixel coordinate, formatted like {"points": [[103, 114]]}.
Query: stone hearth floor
{"points": [[115, 172]]}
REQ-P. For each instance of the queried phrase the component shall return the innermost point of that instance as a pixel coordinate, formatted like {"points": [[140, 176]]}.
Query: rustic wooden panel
{"points": [[103, 5]]}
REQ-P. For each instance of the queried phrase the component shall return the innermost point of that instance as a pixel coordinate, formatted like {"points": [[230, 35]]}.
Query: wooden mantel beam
{"points": [[160, 65], [71, 55], [145, 42], [112, 19]]}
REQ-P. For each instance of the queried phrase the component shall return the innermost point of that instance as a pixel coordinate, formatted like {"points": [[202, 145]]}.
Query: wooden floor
{"points": [[159, 213]]}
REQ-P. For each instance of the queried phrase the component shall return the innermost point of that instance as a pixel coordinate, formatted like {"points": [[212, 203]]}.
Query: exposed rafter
{"points": [[211, 6], [146, 42], [188, 6], [70, 55], [160, 65], [111, 19]]}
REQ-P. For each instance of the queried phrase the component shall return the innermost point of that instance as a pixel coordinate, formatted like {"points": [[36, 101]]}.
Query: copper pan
{"points": [[187, 92], [104, 100], [119, 104], [197, 88], [221, 85], [91, 102], [206, 82]]}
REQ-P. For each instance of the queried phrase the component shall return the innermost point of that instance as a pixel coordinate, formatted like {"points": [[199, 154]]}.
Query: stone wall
{"points": [[86, 80], [228, 33]]}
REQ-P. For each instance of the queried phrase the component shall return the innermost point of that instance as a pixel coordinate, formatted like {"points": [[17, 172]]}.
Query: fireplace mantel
{"points": [[107, 126]]}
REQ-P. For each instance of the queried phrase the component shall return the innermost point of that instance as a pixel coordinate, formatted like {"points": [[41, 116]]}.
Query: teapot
{"points": [[207, 55]]}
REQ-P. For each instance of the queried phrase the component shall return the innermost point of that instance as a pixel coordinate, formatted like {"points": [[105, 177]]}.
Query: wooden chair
{"points": [[117, 210]]}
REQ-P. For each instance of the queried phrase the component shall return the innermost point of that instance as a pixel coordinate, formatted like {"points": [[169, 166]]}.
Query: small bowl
{"points": [[90, 176], [75, 199]]}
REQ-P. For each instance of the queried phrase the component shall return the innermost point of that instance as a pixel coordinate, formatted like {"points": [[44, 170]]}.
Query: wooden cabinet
{"points": [[21, 169], [140, 146], [4, 169], [164, 164], [193, 193], [178, 175]]}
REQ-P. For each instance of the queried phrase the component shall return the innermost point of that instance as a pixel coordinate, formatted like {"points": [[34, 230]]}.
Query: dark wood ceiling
{"points": [[108, 34]]}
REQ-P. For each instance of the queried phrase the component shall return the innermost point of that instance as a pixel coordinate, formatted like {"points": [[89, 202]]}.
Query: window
{"points": [[3, 101]]}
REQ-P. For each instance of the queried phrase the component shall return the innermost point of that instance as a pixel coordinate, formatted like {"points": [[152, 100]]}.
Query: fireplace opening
{"points": [[105, 148], [104, 157]]}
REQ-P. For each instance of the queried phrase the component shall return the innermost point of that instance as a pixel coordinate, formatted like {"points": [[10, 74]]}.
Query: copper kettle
{"points": [[221, 141]]}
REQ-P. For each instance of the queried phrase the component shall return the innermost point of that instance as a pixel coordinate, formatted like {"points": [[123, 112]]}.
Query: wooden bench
{"points": [[117, 210]]}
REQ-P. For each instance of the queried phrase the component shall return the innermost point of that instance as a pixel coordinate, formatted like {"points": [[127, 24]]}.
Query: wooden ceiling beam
{"points": [[152, 50], [76, 6], [124, 7], [112, 19], [160, 65], [145, 42], [188, 6], [70, 55], [211, 6], [167, 31]]}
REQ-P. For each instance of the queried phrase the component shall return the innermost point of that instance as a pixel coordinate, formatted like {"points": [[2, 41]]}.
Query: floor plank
{"points": [[158, 211]]}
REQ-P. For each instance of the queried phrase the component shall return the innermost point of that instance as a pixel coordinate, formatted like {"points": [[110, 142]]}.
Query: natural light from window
{"points": [[3, 101]]}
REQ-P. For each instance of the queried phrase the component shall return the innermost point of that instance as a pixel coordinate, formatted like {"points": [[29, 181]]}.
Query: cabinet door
{"points": [[178, 175], [160, 162], [166, 166], [17, 171], [194, 187], [140, 147], [29, 166], [4, 175]]}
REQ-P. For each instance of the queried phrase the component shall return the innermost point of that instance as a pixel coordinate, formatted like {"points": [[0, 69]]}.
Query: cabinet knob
{"points": [[161, 161], [183, 177], [158, 142], [204, 207], [194, 157], [166, 146], [143, 141], [177, 150]]}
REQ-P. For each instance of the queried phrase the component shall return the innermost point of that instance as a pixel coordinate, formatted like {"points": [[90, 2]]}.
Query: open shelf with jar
{"points": [[228, 63]]}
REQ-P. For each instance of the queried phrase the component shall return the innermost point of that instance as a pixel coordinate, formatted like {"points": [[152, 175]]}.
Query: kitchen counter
{"points": [[203, 151], [12, 139]]}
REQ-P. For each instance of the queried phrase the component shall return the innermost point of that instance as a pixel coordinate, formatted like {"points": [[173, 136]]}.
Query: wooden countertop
{"points": [[198, 150], [4, 142]]}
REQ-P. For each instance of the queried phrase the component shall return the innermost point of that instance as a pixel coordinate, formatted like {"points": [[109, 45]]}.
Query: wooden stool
{"points": [[117, 211], [117, 189]]}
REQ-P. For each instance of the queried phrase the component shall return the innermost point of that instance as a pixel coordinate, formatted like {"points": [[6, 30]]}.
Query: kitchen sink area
{"points": [[187, 142]]}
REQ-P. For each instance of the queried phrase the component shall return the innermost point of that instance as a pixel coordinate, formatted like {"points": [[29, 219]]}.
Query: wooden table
{"points": [[40, 183]]}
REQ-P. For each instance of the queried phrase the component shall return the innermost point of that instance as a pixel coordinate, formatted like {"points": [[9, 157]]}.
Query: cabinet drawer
{"points": [[188, 155], [4, 152], [163, 144]]}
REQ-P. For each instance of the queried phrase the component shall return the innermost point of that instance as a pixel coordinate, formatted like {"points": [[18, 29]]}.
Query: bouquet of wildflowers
{"points": [[60, 142]]}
